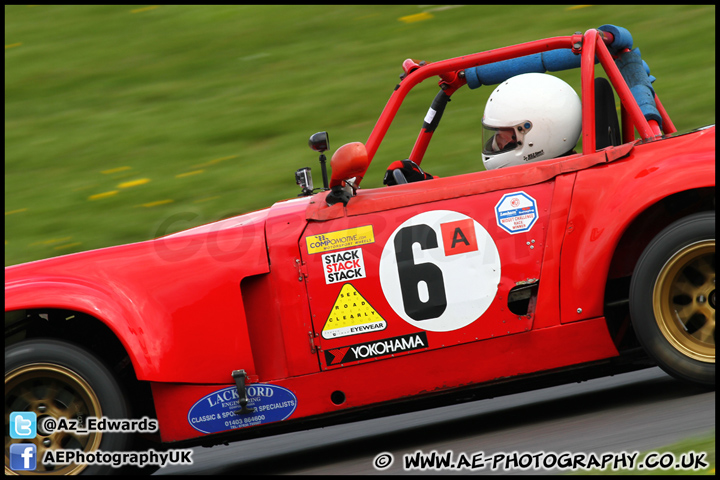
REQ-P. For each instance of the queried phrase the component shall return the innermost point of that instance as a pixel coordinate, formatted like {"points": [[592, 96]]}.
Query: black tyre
{"points": [[672, 299], [58, 379]]}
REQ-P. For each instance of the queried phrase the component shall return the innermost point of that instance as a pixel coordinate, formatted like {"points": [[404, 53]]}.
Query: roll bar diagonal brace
{"points": [[592, 47]]}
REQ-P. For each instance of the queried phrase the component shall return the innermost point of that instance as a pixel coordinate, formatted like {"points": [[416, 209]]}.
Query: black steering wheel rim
{"points": [[399, 176]]}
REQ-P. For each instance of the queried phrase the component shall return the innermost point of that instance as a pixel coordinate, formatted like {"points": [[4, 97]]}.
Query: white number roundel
{"points": [[440, 270]]}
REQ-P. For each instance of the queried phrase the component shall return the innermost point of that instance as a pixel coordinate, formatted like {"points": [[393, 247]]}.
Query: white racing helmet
{"points": [[533, 116]]}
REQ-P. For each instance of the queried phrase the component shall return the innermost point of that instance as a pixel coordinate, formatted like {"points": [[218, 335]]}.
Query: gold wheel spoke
{"points": [[706, 333], [685, 313], [72, 440], [693, 274], [706, 266], [64, 399], [682, 286], [75, 408], [43, 392]]}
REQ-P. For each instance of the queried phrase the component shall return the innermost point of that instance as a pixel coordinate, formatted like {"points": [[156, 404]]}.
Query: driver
{"points": [[529, 117]]}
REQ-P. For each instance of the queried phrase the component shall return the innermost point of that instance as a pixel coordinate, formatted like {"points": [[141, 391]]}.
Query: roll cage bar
{"points": [[609, 45]]}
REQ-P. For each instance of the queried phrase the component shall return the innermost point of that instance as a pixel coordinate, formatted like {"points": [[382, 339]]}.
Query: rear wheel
{"points": [[672, 299], [56, 379]]}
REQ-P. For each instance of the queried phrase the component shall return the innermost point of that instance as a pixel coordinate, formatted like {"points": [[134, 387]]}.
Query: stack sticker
{"points": [[215, 412], [352, 237], [343, 266], [351, 315], [377, 348], [516, 212]]}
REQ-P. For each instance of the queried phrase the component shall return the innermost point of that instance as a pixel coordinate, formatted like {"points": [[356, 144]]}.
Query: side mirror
{"points": [[349, 162]]}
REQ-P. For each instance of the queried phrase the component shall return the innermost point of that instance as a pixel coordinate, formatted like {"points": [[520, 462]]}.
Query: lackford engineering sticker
{"points": [[377, 348], [215, 412], [516, 212], [352, 237], [440, 270], [351, 315]]}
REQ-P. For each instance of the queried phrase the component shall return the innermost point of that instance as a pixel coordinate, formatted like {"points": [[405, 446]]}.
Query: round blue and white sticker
{"points": [[516, 212], [215, 412]]}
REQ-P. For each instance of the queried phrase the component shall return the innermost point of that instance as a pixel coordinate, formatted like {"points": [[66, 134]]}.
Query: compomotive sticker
{"points": [[351, 237]]}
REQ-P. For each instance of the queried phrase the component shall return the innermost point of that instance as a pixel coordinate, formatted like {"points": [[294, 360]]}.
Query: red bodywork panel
{"points": [[159, 296], [410, 375], [599, 216], [405, 291]]}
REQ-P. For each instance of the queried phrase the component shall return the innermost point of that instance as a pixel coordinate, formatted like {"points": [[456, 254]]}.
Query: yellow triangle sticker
{"points": [[351, 315]]}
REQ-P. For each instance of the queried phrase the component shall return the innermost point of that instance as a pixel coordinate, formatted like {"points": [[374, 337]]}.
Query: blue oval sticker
{"points": [[215, 412]]}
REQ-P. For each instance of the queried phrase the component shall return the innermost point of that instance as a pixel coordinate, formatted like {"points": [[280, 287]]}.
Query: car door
{"points": [[424, 276]]}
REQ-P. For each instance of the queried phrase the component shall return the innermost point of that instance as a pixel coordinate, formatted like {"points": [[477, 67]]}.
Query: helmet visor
{"points": [[503, 139]]}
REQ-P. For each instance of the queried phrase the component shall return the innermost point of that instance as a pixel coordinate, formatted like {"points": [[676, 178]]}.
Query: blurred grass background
{"points": [[117, 117]]}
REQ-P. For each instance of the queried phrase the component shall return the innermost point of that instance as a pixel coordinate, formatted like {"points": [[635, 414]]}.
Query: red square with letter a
{"points": [[459, 237]]}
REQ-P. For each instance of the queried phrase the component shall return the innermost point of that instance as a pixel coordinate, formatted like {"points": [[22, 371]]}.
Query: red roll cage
{"points": [[592, 45]]}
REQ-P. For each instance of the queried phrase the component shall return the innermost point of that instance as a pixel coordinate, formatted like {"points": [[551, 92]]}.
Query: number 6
{"points": [[412, 274]]}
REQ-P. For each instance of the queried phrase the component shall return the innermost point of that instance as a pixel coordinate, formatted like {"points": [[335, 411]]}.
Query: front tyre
{"points": [[58, 379], [672, 299]]}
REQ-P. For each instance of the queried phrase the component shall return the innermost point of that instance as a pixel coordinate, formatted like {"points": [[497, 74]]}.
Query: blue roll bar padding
{"points": [[498, 72], [550, 61], [634, 70], [631, 67], [621, 38], [644, 63]]}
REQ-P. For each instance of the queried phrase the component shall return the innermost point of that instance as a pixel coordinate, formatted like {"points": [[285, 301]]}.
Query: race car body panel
{"points": [[367, 282], [600, 216], [174, 302], [185, 410]]}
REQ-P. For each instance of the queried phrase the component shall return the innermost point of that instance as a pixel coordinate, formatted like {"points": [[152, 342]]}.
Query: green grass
{"points": [[208, 109], [703, 444]]}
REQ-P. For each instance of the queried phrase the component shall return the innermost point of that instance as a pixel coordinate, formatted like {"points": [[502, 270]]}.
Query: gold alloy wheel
{"points": [[51, 391], [684, 301]]}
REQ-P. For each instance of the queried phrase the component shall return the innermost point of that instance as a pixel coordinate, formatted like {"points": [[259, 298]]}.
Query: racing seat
{"points": [[607, 128]]}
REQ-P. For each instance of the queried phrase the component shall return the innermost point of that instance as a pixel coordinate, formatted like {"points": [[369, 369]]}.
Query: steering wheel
{"points": [[399, 176]]}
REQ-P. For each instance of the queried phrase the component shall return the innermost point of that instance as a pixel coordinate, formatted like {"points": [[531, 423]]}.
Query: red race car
{"points": [[346, 303]]}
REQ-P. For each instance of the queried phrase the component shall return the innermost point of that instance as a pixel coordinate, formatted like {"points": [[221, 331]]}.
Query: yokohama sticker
{"points": [[440, 270], [215, 412], [516, 212], [377, 348]]}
